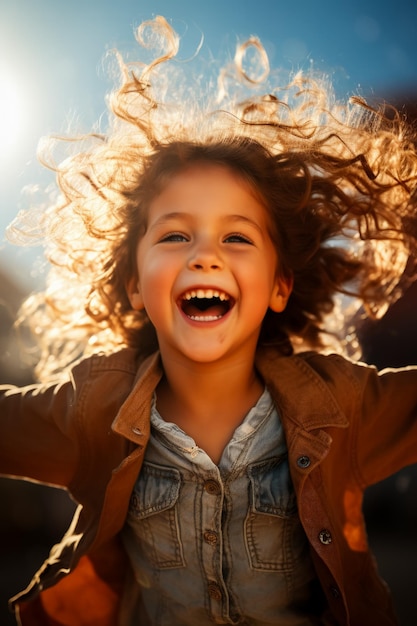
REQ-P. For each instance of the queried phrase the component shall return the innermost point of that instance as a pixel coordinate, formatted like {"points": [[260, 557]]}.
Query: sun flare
{"points": [[11, 113]]}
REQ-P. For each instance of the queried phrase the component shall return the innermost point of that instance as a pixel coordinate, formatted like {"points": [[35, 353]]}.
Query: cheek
{"points": [[260, 276], [155, 283]]}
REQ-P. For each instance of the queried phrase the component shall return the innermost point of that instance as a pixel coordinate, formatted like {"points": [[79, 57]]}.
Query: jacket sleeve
{"points": [[38, 429], [384, 421]]}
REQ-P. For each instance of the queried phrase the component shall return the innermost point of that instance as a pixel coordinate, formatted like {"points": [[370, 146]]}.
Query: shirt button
{"points": [[212, 487], [210, 537], [335, 592], [303, 462], [214, 591], [325, 537]]}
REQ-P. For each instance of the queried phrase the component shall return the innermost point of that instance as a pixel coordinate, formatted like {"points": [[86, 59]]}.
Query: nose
{"points": [[205, 257]]}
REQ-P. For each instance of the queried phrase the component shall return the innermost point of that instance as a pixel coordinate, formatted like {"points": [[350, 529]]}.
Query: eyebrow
{"points": [[247, 220], [232, 218], [168, 217]]}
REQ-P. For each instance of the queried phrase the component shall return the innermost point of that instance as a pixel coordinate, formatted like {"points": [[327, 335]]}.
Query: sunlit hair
{"points": [[338, 182]]}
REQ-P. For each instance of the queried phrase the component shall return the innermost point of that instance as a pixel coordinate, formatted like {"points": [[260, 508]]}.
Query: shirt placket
{"points": [[212, 502]]}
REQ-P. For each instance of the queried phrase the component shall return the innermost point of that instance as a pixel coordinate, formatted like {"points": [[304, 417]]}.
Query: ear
{"points": [[134, 295], [281, 293]]}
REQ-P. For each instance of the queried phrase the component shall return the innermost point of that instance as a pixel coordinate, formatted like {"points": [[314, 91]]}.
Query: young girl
{"points": [[217, 449]]}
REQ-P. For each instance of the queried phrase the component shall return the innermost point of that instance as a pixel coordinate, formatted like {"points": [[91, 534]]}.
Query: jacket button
{"points": [[325, 536], [210, 537], [334, 591], [303, 462], [214, 591], [212, 487]]}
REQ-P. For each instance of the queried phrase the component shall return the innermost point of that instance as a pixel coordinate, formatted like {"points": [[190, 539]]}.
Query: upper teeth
{"points": [[205, 293]]}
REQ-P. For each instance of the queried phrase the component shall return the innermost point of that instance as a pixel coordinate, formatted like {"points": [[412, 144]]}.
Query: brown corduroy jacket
{"points": [[347, 426]]}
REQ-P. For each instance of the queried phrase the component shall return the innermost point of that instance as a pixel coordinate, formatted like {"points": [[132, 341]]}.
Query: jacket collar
{"points": [[133, 419], [300, 393]]}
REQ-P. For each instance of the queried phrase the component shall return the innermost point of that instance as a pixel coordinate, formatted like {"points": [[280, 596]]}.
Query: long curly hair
{"points": [[338, 180]]}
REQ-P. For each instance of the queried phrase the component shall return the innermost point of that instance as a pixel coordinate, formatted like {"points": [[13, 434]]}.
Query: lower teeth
{"points": [[204, 318]]}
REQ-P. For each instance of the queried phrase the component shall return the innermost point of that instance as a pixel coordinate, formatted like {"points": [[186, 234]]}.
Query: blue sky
{"points": [[51, 68]]}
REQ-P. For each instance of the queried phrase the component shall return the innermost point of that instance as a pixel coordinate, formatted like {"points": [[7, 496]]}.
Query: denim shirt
{"points": [[219, 544]]}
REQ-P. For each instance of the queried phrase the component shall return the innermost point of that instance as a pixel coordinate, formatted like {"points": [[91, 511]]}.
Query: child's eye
{"points": [[173, 237], [238, 238]]}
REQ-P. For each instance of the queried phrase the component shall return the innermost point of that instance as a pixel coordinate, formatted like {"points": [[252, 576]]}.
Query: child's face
{"points": [[207, 267]]}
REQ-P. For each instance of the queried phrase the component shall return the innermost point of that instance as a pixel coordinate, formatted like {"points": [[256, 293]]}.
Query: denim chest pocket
{"points": [[273, 533], [153, 516]]}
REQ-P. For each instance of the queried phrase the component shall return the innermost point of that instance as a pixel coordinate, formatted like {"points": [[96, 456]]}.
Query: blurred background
{"points": [[53, 79]]}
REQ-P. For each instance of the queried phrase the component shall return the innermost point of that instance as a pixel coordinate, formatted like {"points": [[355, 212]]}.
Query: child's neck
{"points": [[207, 401]]}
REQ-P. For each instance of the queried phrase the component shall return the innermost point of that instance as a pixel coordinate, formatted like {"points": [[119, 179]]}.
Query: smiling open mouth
{"points": [[205, 305]]}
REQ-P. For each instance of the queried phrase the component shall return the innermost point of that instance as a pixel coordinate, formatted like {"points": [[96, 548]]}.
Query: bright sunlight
{"points": [[11, 113]]}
